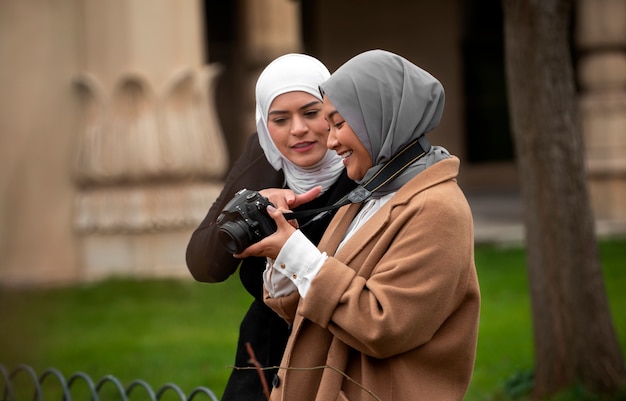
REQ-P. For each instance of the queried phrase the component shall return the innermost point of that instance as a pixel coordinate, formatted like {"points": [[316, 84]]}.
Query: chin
{"points": [[309, 160], [306, 162], [353, 176]]}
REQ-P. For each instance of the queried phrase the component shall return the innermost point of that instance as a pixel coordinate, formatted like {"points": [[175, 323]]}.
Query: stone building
{"points": [[119, 118]]}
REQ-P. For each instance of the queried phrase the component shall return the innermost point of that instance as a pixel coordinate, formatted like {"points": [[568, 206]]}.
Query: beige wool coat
{"points": [[396, 309]]}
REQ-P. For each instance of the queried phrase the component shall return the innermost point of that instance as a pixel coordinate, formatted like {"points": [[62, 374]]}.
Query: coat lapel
{"points": [[437, 173], [337, 228]]}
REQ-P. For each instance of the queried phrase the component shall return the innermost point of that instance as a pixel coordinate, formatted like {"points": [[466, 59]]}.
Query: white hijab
{"points": [[289, 73]]}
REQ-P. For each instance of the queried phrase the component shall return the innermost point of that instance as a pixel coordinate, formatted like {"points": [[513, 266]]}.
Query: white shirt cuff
{"points": [[300, 261], [277, 285]]}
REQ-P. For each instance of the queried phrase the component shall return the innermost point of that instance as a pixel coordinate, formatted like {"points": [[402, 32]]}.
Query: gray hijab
{"points": [[388, 102]]}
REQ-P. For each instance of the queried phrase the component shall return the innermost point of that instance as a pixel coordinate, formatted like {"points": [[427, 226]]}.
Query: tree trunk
{"points": [[575, 341]]}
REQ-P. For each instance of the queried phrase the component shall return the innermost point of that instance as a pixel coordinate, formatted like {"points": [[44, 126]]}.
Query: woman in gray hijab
{"points": [[387, 306]]}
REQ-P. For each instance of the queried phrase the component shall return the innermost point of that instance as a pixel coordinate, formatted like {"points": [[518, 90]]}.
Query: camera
{"points": [[244, 221]]}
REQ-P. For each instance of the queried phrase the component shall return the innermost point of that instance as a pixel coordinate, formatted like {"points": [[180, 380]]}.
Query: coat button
{"points": [[276, 381]]}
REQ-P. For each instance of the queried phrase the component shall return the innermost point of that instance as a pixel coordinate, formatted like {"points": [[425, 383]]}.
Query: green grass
{"points": [[185, 332], [505, 345], [505, 332], [159, 331]]}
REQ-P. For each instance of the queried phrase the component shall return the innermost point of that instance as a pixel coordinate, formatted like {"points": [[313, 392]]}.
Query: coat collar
{"points": [[439, 172]]}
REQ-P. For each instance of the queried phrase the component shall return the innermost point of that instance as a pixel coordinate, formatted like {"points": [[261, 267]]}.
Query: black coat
{"points": [[208, 261]]}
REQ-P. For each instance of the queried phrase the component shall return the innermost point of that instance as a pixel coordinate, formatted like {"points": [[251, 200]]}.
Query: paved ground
{"points": [[497, 217]]}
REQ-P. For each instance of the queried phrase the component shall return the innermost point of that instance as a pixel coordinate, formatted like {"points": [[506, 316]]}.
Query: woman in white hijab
{"points": [[289, 163], [387, 307], [304, 159]]}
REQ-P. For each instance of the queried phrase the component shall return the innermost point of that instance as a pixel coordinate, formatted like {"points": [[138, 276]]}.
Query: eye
{"points": [[338, 124], [312, 113], [279, 120]]}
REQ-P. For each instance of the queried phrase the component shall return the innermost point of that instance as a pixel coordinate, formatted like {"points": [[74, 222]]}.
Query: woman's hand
{"points": [[287, 199], [271, 245], [283, 201]]}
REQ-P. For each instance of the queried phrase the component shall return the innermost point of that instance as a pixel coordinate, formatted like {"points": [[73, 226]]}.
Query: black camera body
{"points": [[244, 221]]}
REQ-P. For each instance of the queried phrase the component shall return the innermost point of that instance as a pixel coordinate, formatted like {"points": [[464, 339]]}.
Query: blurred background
{"points": [[120, 118]]}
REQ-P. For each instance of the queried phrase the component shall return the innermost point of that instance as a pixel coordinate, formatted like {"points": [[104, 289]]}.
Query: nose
{"points": [[298, 126], [331, 142]]}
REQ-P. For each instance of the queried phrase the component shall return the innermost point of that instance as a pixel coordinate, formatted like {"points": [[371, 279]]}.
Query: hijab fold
{"points": [[388, 102], [289, 73]]}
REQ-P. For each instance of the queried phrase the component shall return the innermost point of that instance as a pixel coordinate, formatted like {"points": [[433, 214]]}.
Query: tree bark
{"points": [[575, 340]]}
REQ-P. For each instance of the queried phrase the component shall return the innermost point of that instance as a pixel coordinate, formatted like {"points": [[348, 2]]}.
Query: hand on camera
{"points": [[287, 199], [271, 245]]}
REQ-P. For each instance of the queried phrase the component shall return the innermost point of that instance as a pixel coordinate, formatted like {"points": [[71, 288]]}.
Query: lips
{"points": [[303, 146], [346, 154]]}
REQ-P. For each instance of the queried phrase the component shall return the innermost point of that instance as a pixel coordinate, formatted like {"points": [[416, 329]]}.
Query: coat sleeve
{"points": [[207, 260], [285, 306], [402, 285]]}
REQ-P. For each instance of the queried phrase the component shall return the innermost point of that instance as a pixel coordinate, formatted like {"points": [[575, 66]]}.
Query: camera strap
{"points": [[394, 167]]}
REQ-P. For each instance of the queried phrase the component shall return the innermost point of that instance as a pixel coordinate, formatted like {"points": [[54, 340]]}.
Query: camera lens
{"points": [[235, 236]]}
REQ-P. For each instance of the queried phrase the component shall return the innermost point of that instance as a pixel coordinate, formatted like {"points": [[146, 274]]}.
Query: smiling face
{"points": [[343, 140], [298, 128]]}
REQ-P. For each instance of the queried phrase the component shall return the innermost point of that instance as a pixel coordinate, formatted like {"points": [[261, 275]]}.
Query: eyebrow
{"points": [[300, 108], [332, 114]]}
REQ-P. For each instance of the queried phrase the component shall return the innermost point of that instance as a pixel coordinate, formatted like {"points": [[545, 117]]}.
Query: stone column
{"points": [[270, 28], [601, 38], [150, 153], [37, 133]]}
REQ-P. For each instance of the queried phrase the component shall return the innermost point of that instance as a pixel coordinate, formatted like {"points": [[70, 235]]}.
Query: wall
{"points": [[37, 129]]}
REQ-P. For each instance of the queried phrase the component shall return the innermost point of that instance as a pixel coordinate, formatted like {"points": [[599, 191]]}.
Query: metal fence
{"points": [[24, 383]]}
